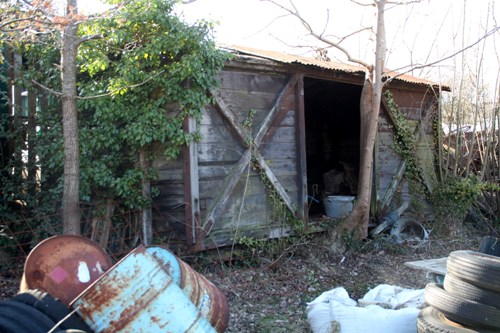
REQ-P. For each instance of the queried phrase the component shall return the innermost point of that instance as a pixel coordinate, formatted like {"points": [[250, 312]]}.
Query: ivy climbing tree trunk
{"points": [[71, 187]]}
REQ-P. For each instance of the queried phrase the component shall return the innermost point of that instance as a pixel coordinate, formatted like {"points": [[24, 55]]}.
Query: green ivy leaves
{"points": [[156, 70]]}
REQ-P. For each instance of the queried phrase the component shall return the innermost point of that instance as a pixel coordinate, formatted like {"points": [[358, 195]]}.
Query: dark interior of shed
{"points": [[332, 124]]}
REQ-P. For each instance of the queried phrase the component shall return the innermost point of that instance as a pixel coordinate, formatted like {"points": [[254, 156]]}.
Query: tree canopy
{"points": [[140, 72]]}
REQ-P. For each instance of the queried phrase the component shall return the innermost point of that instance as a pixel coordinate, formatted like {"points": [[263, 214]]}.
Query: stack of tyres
{"points": [[35, 311], [469, 299]]}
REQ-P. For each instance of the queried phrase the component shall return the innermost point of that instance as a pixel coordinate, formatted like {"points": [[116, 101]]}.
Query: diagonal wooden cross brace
{"points": [[265, 132]]}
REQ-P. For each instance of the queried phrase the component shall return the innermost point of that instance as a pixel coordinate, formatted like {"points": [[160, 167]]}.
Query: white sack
{"points": [[335, 312], [393, 297]]}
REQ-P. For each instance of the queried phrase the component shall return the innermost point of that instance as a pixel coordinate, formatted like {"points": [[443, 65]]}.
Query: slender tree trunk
{"points": [[147, 214], [108, 222], [32, 170], [371, 96], [71, 189]]}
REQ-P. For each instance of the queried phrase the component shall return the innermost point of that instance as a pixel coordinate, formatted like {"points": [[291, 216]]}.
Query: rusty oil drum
{"points": [[64, 266], [139, 295], [207, 297]]}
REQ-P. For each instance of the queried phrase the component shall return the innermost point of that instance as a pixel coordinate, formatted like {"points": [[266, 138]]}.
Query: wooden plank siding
{"points": [[169, 218], [231, 169], [240, 157]]}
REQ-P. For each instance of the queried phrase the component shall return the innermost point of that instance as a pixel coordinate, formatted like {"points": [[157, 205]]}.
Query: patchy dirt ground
{"points": [[269, 292]]}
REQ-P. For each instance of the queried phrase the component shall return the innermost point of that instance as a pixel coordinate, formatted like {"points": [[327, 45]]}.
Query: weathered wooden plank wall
{"points": [[169, 217], [248, 97], [255, 131]]}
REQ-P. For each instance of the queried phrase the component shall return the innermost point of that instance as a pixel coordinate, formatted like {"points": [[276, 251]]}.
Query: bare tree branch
{"points": [[121, 88], [270, 23], [57, 93], [398, 3], [341, 39], [90, 37], [489, 33], [320, 37], [363, 4], [327, 21], [11, 22], [52, 91]]}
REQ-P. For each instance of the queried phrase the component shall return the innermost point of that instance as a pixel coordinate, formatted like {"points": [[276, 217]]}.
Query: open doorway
{"points": [[332, 140]]}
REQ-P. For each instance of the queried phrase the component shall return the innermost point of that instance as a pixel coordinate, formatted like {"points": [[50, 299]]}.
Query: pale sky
{"points": [[417, 33]]}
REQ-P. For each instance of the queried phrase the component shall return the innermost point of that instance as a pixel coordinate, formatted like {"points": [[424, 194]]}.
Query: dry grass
{"points": [[268, 292]]}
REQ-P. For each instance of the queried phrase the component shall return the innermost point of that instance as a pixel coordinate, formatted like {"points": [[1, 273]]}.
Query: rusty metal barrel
{"points": [[139, 295], [207, 297], [64, 266]]}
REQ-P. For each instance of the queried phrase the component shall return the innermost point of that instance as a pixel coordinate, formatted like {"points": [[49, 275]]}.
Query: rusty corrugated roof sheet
{"points": [[329, 65]]}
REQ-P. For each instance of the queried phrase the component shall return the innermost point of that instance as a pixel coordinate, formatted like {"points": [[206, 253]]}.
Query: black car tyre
{"points": [[479, 269], [464, 289], [431, 320], [8, 325], [53, 308], [25, 316], [460, 310]]}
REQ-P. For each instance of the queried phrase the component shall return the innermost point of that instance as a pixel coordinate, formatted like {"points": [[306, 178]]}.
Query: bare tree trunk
{"points": [[147, 215], [358, 219], [371, 96], [71, 189]]}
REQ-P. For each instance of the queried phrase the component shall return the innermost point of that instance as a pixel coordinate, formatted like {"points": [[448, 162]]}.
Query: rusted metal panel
{"points": [[139, 295], [64, 266], [271, 60]]}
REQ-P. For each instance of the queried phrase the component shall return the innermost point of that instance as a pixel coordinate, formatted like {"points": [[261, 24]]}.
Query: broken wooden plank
{"points": [[437, 266]]}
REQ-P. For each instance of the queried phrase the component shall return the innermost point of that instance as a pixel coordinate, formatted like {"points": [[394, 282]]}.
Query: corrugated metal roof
{"points": [[329, 65]]}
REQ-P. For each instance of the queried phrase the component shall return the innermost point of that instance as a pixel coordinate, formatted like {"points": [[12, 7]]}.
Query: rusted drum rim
{"points": [[206, 296], [64, 266]]}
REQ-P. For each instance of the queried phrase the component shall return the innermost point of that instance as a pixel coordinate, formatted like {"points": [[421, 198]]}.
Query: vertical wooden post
{"points": [[300, 135], [192, 192]]}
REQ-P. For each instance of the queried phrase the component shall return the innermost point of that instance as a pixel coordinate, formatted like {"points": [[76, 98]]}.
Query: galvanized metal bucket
{"points": [[207, 297], [138, 295]]}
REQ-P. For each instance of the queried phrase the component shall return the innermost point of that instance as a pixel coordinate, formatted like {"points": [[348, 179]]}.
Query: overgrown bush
{"points": [[452, 199]]}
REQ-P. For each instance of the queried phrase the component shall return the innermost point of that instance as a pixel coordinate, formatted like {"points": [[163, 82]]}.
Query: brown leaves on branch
{"points": [[36, 17]]}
